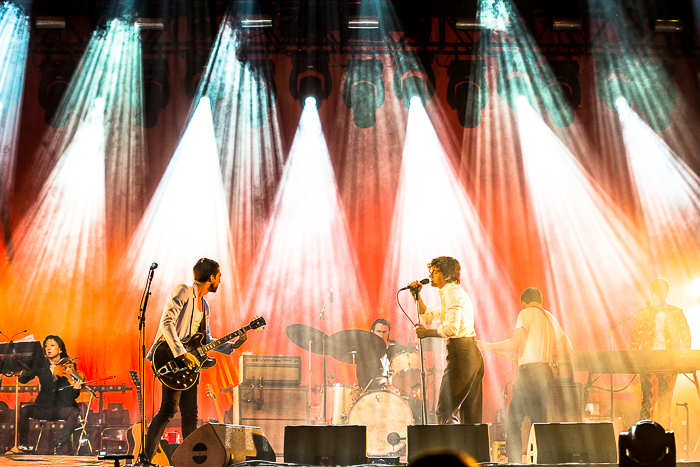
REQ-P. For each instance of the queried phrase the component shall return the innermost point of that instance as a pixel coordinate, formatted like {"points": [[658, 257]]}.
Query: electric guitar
{"points": [[174, 372], [133, 434], [212, 394]]}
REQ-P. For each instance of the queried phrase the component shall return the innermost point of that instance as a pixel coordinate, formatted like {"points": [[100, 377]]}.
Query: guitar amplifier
{"points": [[270, 370]]}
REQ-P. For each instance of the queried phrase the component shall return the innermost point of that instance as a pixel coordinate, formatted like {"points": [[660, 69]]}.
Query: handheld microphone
{"points": [[153, 266], [422, 281]]}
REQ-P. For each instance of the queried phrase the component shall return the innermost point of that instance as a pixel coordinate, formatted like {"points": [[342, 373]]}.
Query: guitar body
{"points": [[174, 373], [133, 440]]}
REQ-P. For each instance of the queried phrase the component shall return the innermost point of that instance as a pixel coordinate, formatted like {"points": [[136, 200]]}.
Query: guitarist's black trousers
{"points": [[171, 400]]}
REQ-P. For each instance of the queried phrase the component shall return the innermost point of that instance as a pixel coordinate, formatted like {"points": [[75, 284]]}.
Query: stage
{"points": [[82, 461]]}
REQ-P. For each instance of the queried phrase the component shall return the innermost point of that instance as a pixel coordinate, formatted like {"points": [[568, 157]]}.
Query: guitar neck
{"points": [[214, 344], [137, 384]]}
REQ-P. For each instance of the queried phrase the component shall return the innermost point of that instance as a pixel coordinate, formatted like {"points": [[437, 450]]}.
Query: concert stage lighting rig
{"points": [[467, 90], [363, 90], [414, 77], [310, 77]]}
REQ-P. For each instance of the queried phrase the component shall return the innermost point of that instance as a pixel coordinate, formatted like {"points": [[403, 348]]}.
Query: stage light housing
{"points": [[414, 77], [668, 26], [55, 80], [363, 90], [363, 22], [310, 77], [611, 84], [255, 21], [467, 90], [647, 444], [515, 79], [567, 24], [155, 90], [149, 24], [469, 24], [50, 22], [563, 85]]}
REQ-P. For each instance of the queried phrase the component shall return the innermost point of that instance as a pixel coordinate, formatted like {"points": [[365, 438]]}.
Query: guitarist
{"points": [[185, 313], [536, 337]]}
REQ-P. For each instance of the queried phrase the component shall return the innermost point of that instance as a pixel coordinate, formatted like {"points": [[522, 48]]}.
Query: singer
{"points": [[460, 390], [659, 327], [185, 313]]}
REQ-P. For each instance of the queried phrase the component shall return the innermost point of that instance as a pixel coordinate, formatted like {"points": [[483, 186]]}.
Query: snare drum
{"points": [[339, 401], [384, 413], [405, 367]]}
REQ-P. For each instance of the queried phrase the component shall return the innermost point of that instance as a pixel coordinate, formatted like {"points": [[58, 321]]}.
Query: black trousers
{"points": [[171, 400], [69, 414], [461, 393], [530, 398]]}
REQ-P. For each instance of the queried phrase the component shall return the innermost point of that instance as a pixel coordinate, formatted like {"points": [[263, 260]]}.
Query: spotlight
{"points": [[414, 77], [255, 21], [563, 85], [310, 101], [363, 90], [566, 16], [647, 444], [363, 22], [612, 84], [50, 22], [469, 24], [668, 26], [99, 103], [621, 104], [310, 77], [514, 81], [467, 90], [149, 24], [155, 91], [567, 24], [521, 102], [55, 80]]}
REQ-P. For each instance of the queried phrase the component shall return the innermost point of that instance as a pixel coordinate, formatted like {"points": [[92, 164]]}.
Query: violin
{"points": [[66, 368]]}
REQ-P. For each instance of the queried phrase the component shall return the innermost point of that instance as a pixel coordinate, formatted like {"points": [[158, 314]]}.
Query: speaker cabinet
{"points": [[325, 445], [472, 440], [218, 445], [273, 408], [563, 443]]}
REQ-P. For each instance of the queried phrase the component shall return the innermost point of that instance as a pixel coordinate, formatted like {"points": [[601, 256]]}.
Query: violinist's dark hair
{"points": [[59, 341]]}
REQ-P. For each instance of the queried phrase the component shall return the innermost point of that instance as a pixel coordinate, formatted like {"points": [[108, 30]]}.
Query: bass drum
{"points": [[384, 413]]}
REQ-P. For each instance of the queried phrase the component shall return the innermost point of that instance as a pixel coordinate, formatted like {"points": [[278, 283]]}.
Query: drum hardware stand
{"points": [[687, 428], [322, 317]]}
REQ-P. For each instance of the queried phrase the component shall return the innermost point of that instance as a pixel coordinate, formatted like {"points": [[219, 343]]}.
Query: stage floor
{"points": [[92, 461]]}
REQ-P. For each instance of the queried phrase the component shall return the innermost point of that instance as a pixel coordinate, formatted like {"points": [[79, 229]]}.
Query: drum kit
{"points": [[387, 411]]}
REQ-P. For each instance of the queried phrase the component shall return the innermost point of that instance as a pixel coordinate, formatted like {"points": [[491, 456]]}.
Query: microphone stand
{"points": [[143, 460], [322, 317], [423, 386]]}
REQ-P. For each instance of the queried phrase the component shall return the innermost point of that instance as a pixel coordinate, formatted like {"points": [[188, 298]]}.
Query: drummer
{"points": [[373, 374]]}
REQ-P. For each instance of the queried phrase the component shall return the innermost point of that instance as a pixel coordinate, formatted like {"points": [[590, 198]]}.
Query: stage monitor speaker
{"points": [[563, 443], [472, 440], [218, 445], [325, 445]]}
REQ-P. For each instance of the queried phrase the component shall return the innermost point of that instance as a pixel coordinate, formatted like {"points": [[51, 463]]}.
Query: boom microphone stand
{"points": [[143, 459]]}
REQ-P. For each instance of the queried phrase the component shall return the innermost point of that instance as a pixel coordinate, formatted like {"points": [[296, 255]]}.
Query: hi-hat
{"points": [[302, 335], [366, 345]]}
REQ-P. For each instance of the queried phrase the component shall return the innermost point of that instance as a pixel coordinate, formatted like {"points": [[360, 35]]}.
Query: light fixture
{"points": [[363, 90], [414, 77], [563, 85], [567, 24], [149, 24], [469, 24], [363, 22], [155, 90], [668, 26], [467, 90], [310, 76], [50, 22], [647, 444], [55, 80], [255, 21]]}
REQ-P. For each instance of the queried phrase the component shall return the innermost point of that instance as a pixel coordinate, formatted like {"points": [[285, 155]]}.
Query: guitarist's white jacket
{"points": [[176, 322]]}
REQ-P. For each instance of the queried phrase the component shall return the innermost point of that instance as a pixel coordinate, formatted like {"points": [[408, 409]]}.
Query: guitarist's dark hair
{"points": [[204, 269], [530, 295], [59, 342]]}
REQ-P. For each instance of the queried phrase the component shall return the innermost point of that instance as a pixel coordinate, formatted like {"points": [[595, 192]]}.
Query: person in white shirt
{"points": [[536, 337], [461, 393]]}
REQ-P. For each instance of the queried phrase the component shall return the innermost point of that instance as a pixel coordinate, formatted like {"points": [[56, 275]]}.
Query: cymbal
{"points": [[301, 334], [366, 345]]}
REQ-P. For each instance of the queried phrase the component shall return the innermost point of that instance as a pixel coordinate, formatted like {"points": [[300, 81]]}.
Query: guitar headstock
{"points": [[135, 378], [257, 322], [210, 391]]}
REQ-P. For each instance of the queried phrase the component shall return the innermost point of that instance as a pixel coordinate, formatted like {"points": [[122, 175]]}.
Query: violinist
{"points": [[57, 395]]}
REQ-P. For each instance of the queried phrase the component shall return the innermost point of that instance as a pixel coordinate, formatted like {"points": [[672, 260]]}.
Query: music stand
{"points": [[16, 357]]}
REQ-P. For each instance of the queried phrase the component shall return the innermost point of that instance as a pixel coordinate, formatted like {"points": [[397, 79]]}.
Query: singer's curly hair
{"points": [[449, 267]]}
